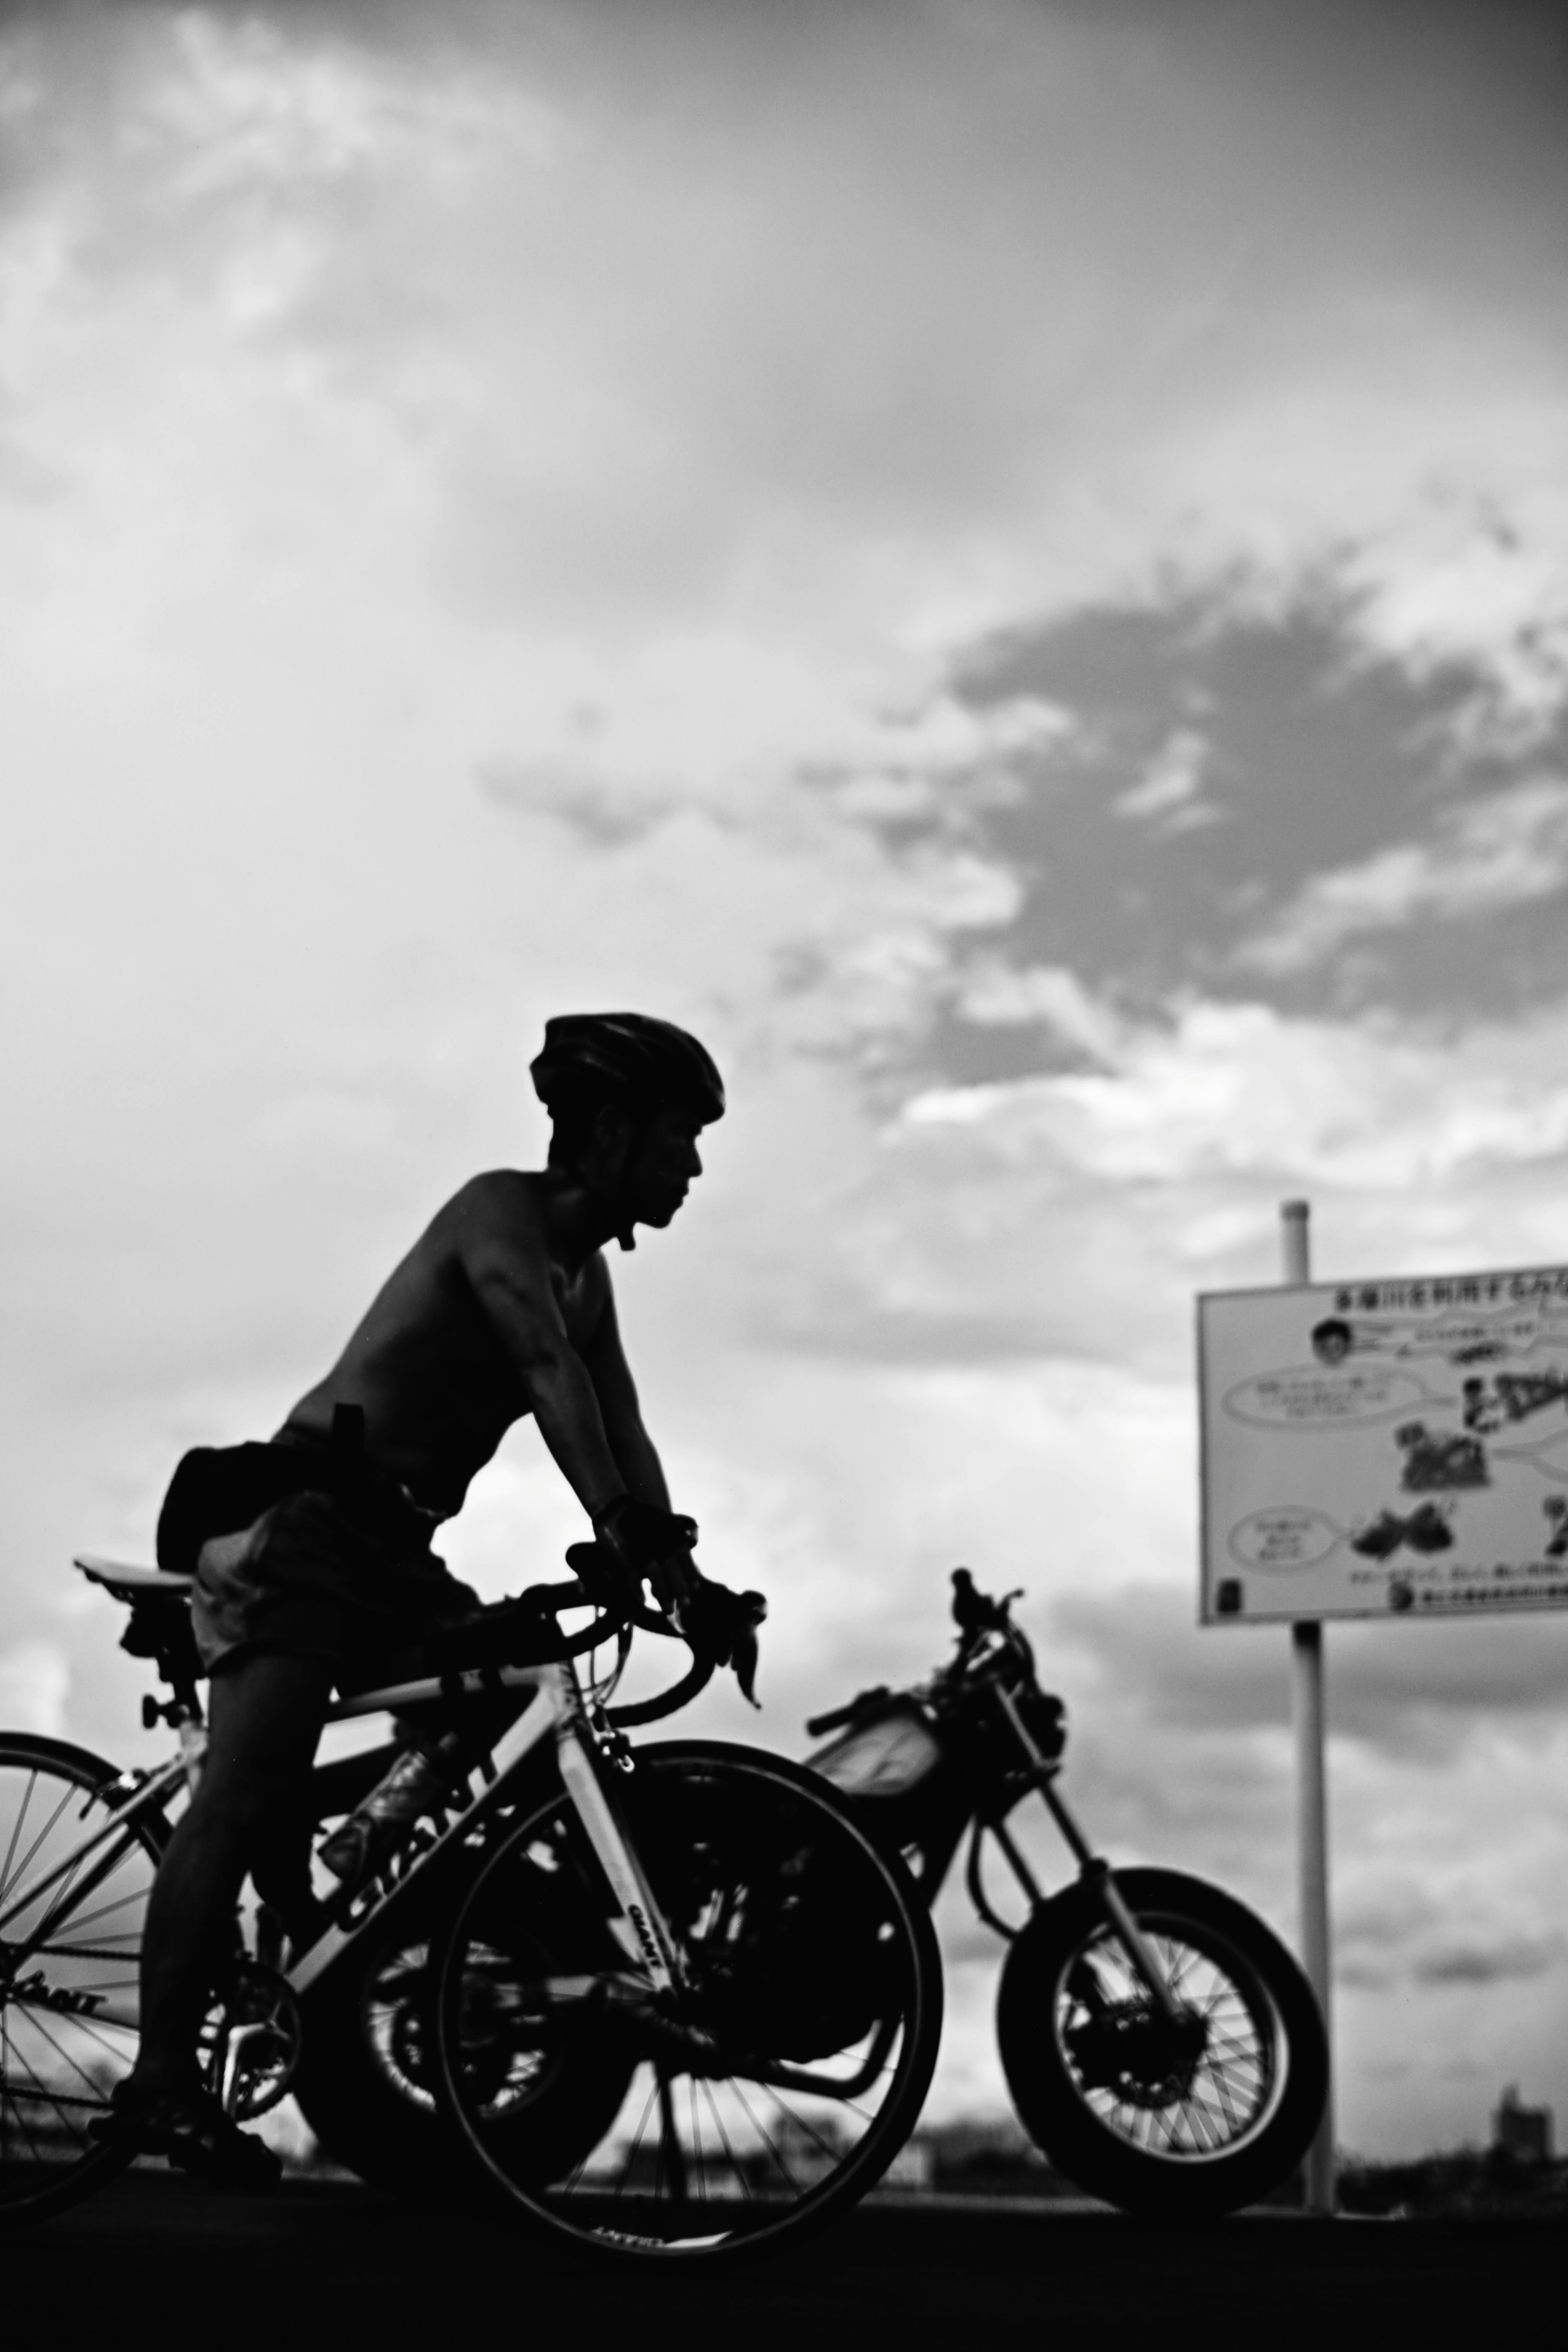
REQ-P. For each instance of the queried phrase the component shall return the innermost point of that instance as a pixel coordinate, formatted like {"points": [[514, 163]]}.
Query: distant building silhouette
{"points": [[1523, 2133]]}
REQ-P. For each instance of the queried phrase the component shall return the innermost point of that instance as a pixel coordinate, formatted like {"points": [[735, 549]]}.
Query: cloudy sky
{"points": [[1006, 561]]}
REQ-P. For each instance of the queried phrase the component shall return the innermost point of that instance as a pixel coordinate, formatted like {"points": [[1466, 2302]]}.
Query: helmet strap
{"points": [[625, 1234]]}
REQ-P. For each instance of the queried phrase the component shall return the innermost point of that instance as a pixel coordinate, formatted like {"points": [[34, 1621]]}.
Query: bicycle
{"points": [[669, 2004], [1161, 2045]]}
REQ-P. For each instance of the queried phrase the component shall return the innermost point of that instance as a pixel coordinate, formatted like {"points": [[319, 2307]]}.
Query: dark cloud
{"points": [[1221, 762], [1411, 1690], [1513, 1958]]}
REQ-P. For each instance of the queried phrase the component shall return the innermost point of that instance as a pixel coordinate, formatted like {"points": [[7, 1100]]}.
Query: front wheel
{"points": [[766, 2095], [1195, 2115]]}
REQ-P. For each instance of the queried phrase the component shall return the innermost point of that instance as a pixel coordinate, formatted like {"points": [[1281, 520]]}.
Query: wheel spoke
{"points": [[739, 1853], [16, 1833], [765, 2136], [637, 2141], [105, 1911], [1158, 2105], [42, 1833], [734, 2168], [58, 2060], [60, 2050], [673, 2156]]}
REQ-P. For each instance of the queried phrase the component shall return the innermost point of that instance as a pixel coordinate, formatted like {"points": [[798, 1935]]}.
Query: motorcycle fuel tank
{"points": [[881, 1758]]}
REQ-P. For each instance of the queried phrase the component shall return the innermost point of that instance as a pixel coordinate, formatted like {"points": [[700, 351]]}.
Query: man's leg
{"points": [[266, 1719]]}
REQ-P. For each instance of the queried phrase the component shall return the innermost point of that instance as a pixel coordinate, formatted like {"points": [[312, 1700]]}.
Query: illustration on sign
{"points": [[1385, 1445]]}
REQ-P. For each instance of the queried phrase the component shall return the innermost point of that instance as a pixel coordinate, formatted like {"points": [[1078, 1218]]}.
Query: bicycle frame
{"points": [[557, 1711]]}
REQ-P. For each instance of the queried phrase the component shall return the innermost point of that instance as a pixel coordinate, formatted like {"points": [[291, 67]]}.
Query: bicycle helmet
{"points": [[649, 1064]]}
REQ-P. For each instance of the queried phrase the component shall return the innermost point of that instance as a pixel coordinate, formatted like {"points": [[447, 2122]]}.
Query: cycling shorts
{"points": [[313, 1577]]}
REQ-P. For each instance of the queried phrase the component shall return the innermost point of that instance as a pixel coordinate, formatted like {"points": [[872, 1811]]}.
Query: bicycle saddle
{"points": [[128, 1584]]}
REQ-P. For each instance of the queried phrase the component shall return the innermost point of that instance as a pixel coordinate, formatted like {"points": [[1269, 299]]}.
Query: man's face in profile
{"points": [[665, 1167]]}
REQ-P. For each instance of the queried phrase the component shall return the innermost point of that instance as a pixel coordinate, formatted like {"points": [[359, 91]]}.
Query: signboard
{"points": [[1373, 1448]]}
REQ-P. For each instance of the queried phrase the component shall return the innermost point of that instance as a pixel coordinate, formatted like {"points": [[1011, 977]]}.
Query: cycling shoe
{"points": [[192, 2130]]}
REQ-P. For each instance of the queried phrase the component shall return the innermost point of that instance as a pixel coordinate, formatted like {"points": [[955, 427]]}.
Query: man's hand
{"points": [[642, 1539], [722, 1625]]}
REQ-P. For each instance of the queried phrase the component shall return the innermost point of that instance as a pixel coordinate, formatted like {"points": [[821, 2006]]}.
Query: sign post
{"points": [[1312, 1790], [1395, 1448]]}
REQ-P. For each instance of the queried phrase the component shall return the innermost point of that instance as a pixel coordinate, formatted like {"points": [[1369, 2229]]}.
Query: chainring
{"points": [[251, 2041]]}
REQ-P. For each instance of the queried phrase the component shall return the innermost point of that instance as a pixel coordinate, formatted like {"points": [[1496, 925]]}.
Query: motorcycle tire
{"points": [[1190, 2119]]}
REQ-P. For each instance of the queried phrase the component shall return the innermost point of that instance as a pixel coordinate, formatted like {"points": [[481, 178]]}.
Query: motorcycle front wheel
{"points": [[1189, 2116], [765, 2098]]}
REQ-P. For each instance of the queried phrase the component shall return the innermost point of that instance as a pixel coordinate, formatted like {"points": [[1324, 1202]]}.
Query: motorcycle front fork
{"points": [[1093, 1869]]}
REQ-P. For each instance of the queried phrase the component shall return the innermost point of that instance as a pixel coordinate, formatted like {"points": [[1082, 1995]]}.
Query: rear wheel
{"points": [[1195, 2115], [727, 2120], [69, 1955], [367, 2081]]}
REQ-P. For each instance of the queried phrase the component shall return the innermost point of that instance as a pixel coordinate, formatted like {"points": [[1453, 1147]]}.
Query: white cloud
{"points": [[35, 1687], [1243, 1090], [1501, 851], [1170, 787], [1005, 995], [383, 413]]}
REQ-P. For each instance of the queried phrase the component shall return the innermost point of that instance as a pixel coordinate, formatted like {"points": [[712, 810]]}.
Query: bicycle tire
{"points": [[364, 2083], [1149, 2122], [56, 2077], [815, 1973]]}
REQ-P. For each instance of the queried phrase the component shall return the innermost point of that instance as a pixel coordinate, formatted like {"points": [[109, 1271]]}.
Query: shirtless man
{"points": [[503, 1307]]}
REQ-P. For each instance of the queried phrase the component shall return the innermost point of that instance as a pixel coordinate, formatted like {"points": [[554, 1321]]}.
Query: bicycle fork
{"points": [[639, 1927], [642, 1928]]}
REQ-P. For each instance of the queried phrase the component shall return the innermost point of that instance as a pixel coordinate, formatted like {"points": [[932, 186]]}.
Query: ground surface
{"points": [[156, 2259]]}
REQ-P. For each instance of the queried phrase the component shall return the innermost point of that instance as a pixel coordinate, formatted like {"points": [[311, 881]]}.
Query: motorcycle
{"points": [[1161, 2046]]}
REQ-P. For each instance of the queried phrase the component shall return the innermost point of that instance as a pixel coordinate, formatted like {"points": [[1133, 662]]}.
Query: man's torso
{"points": [[426, 1366]]}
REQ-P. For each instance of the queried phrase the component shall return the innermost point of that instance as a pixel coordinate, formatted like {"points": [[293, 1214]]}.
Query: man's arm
{"points": [[612, 1384]]}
